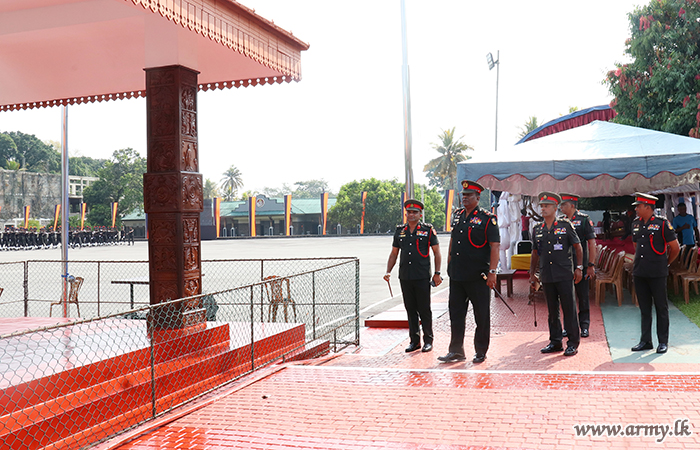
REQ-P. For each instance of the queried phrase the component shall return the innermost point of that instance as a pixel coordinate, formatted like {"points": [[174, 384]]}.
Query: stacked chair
{"points": [[685, 264], [688, 276], [610, 272]]}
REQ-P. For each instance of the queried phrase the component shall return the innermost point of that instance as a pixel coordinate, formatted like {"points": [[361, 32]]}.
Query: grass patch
{"points": [[692, 309]]}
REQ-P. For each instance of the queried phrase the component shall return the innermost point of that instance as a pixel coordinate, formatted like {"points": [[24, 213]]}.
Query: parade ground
{"points": [[372, 251]]}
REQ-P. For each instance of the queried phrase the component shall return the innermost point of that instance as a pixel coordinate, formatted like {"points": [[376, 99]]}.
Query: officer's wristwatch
{"points": [[492, 270], [437, 273], [590, 264], [580, 268]]}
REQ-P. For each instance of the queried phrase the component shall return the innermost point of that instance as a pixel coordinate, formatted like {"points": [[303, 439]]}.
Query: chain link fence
{"points": [[74, 384]]}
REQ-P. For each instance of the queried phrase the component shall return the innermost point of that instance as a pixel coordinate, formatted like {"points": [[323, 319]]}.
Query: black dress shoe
{"points": [[564, 333], [551, 348], [584, 332], [662, 348], [479, 358], [570, 351], [412, 348], [643, 346], [452, 357], [427, 348]]}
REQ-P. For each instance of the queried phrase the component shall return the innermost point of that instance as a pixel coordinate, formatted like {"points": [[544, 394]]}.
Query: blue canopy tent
{"points": [[598, 159], [594, 160]]}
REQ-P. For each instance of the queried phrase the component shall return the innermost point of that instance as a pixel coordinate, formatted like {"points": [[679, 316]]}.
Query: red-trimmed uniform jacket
{"points": [[652, 238], [472, 235], [414, 262]]}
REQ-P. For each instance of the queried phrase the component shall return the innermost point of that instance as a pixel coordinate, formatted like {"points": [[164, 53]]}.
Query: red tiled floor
{"points": [[377, 396]]}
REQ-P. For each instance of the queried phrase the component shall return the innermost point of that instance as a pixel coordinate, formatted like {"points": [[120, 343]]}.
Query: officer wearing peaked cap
{"points": [[583, 225], [474, 247], [655, 247], [415, 239], [554, 240]]}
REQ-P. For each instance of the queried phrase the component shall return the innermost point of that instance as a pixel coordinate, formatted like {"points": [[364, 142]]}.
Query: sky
{"points": [[344, 120]]}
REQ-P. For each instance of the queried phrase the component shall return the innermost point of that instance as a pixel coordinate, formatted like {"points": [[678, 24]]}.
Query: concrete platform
{"points": [[395, 317]]}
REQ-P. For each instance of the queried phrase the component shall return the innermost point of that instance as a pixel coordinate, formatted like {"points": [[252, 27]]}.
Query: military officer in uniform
{"points": [[583, 225], [554, 240], [474, 247], [655, 247], [415, 239]]}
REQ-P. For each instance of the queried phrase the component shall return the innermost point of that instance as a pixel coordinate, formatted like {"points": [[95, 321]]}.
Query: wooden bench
{"points": [[508, 276]]}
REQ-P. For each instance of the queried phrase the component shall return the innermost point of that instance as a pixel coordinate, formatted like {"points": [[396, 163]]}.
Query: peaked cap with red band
{"points": [[548, 198], [471, 186], [568, 197], [644, 199], [413, 205]]}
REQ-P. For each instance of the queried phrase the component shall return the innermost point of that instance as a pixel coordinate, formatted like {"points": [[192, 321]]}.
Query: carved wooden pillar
{"points": [[172, 191]]}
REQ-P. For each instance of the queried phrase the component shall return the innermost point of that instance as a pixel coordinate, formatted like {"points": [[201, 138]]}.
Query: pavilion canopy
{"points": [[75, 51], [594, 160]]}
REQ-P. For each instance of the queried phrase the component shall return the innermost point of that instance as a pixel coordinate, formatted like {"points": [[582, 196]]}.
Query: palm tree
{"points": [[211, 190], [529, 126], [444, 168], [231, 182]]}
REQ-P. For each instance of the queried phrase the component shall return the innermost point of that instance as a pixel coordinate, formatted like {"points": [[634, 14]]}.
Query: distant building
{"points": [[269, 218], [40, 191]]}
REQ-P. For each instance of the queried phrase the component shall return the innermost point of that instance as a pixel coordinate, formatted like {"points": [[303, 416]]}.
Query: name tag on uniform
{"points": [[558, 247]]}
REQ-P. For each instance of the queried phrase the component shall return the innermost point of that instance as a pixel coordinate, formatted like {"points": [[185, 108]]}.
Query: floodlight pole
{"points": [[406, 105]]}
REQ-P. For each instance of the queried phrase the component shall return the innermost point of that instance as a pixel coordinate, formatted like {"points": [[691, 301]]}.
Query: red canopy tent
{"points": [[61, 52]]}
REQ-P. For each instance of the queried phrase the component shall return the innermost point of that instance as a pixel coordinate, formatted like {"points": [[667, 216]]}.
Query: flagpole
{"points": [[406, 105], [64, 204]]}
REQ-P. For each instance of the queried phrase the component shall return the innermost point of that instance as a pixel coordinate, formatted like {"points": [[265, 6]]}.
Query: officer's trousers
{"points": [[584, 304], [461, 293], [562, 292], [416, 299], [652, 290]]}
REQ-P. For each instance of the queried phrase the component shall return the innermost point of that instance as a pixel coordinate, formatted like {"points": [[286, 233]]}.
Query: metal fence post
{"points": [[262, 308], [357, 302], [252, 333], [153, 377], [26, 289], [98, 288], [313, 302]]}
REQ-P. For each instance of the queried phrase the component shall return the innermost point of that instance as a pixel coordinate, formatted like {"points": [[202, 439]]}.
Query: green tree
{"points": [[382, 207], [210, 189], [301, 189], [442, 171], [121, 180], [277, 192], [84, 166], [310, 189], [434, 212], [660, 88], [8, 150], [12, 165], [528, 127], [34, 155], [231, 183]]}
